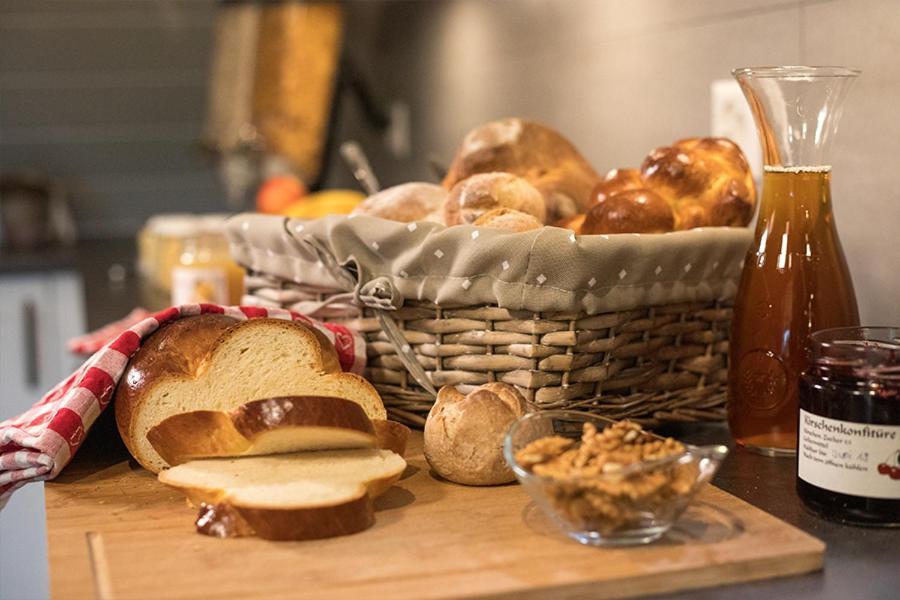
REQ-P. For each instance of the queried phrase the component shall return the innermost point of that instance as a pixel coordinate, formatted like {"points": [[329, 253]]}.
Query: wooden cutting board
{"points": [[115, 532]]}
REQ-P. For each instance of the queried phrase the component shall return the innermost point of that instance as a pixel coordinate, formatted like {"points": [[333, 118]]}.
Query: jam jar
{"points": [[848, 454]]}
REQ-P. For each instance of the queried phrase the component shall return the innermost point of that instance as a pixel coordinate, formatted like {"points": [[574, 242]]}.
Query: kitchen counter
{"points": [[859, 562]]}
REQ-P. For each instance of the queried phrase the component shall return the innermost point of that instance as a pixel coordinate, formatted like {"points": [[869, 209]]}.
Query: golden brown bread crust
{"points": [[295, 523], [223, 513], [259, 416], [631, 211], [616, 181], [391, 435], [220, 518], [534, 152], [176, 349], [509, 219], [479, 194], [213, 433], [310, 523], [464, 433], [706, 180]]}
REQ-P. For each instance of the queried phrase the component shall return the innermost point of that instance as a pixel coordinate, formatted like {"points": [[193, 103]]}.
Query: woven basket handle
{"points": [[404, 351], [381, 296]]}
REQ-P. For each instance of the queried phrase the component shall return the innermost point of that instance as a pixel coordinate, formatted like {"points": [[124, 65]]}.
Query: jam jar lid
{"points": [[865, 354]]}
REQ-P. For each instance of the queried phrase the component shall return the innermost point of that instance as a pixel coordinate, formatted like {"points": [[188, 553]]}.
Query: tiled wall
{"points": [[108, 95], [111, 94]]}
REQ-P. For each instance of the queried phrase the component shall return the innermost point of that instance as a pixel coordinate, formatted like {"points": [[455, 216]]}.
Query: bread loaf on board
{"points": [[301, 496], [215, 362]]}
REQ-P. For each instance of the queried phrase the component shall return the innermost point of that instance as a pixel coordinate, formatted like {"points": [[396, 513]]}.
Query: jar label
{"points": [[192, 285], [858, 459]]}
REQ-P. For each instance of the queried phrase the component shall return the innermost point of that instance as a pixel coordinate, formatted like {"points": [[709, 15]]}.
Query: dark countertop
{"points": [[859, 562]]}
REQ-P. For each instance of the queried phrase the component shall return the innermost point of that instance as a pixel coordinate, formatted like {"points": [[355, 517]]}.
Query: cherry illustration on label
{"points": [[891, 466]]}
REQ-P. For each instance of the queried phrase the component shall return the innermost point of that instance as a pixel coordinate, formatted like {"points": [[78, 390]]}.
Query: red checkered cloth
{"points": [[93, 341], [38, 444]]}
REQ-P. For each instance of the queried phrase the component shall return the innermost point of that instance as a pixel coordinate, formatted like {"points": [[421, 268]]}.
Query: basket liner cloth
{"points": [[385, 263]]}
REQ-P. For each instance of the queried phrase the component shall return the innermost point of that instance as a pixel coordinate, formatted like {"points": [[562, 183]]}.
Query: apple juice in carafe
{"points": [[795, 281]]}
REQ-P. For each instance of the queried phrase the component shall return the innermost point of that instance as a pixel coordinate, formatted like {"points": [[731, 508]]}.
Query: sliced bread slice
{"points": [[214, 362], [297, 496], [270, 426]]}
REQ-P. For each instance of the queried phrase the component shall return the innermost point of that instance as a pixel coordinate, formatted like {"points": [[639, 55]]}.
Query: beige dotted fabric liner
{"points": [[550, 269]]}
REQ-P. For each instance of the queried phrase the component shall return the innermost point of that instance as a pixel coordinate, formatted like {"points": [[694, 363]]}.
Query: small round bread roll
{"points": [[478, 194], [507, 218], [408, 202], [464, 433], [632, 211]]}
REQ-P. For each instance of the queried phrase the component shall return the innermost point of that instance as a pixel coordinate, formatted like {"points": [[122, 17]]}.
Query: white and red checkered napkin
{"points": [[38, 444], [94, 340]]}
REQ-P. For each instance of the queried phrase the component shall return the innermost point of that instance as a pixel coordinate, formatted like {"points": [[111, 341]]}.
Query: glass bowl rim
{"points": [[715, 451], [794, 71]]}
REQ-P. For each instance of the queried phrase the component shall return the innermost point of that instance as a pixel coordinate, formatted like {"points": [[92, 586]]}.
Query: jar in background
{"points": [[848, 455], [205, 271], [159, 247]]}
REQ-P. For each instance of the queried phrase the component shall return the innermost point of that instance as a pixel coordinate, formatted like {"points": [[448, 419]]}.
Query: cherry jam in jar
{"points": [[848, 453]]}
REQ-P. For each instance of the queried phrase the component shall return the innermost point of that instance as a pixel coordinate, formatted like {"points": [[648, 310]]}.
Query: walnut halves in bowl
{"points": [[606, 482]]}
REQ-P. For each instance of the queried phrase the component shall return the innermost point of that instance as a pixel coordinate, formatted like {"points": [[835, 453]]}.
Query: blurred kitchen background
{"points": [[110, 97], [112, 111]]}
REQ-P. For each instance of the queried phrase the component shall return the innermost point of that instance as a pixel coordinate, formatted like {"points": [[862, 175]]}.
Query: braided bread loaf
{"points": [[696, 182]]}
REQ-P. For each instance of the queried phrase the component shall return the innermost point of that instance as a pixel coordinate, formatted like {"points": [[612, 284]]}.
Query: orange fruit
{"points": [[277, 193]]}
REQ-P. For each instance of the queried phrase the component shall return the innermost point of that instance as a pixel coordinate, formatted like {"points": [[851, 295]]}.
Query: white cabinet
{"points": [[38, 313]]}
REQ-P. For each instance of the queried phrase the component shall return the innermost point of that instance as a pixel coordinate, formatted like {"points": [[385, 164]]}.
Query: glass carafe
{"points": [[795, 278]]}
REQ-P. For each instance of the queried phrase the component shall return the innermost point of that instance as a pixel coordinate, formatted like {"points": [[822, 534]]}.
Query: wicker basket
{"points": [[650, 363], [664, 363]]}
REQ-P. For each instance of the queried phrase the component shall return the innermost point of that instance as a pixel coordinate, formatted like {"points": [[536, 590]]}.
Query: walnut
{"points": [[542, 450], [592, 483]]}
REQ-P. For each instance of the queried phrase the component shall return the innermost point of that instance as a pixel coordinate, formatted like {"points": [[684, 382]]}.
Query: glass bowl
{"points": [[635, 505]]}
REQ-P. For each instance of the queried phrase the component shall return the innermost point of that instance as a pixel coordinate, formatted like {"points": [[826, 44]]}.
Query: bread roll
{"points": [[633, 211], [405, 203], [532, 151], [472, 197], [464, 433], [706, 180], [507, 218]]}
